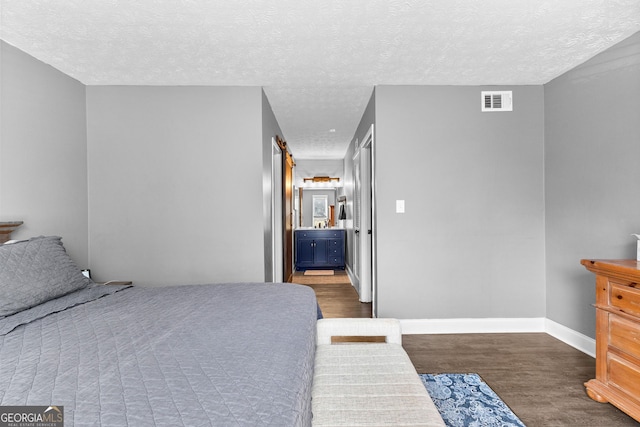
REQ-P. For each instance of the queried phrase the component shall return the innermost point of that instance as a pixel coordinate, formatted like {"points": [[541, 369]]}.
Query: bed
{"points": [[198, 355]]}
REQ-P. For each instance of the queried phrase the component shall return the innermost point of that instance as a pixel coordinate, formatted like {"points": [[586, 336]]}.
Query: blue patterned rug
{"points": [[464, 400]]}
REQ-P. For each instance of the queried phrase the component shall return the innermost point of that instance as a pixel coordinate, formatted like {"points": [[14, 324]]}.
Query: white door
{"points": [[364, 227], [365, 234], [368, 222]]}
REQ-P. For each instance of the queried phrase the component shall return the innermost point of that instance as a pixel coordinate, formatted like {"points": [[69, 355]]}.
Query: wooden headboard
{"points": [[6, 228]]}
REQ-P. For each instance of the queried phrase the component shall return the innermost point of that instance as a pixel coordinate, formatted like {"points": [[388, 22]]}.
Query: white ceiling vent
{"points": [[497, 100]]}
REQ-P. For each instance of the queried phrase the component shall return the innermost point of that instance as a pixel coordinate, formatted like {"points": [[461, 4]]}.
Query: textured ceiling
{"points": [[317, 59]]}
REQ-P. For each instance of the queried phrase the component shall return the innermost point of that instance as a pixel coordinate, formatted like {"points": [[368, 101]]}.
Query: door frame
{"points": [[365, 257], [369, 142], [277, 243]]}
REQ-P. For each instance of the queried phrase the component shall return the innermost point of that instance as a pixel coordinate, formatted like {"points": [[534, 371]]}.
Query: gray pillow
{"points": [[35, 271]]}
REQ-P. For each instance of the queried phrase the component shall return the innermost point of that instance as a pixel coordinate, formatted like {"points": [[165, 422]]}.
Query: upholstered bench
{"points": [[366, 384]]}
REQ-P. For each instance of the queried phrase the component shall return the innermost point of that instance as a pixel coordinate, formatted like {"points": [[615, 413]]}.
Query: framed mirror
{"points": [[320, 210], [317, 206]]}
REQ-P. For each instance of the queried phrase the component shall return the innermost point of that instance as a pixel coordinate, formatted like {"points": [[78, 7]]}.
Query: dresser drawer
{"points": [[624, 335], [336, 260], [321, 233], [335, 234], [624, 375], [336, 247], [625, 298]]}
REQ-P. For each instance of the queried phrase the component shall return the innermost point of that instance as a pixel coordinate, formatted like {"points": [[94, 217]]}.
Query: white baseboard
{"points": [[352, 276], [575, 339], [483, 326]]}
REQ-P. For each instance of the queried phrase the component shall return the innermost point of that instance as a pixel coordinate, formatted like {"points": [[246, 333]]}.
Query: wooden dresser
{"points": [[617, 334], [6, 228]]}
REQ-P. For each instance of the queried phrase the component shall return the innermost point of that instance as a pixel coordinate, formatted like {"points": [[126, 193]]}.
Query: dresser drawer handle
{"points": [[619, 296]]}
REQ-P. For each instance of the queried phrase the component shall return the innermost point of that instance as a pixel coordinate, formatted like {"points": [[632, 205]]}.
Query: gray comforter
{"points": [[227, 354]]}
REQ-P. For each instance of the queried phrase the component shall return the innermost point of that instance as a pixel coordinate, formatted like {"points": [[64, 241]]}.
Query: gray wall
{"points": [[471, 243], [592, 149], [43, 155], [176, 184]]}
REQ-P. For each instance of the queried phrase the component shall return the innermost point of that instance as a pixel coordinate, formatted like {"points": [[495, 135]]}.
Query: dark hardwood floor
{"points": [[538, 376], [336, 296]]}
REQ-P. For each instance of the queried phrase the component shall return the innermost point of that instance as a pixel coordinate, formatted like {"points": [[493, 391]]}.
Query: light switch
{"points": [[399, 206]]}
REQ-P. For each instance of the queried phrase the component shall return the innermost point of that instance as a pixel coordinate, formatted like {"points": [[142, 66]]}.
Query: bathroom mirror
{"points": [[316, 207], [320, 210]]}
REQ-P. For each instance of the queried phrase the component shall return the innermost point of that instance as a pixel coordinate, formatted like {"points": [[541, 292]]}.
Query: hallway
{"points": [[336, 296]]}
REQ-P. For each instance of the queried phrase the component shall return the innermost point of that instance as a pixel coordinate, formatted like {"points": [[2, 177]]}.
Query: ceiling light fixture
{"points": [[321, 179]]}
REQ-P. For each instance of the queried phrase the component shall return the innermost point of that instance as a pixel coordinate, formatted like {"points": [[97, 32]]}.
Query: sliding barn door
{"points": [[287, 192], [286, 201]]}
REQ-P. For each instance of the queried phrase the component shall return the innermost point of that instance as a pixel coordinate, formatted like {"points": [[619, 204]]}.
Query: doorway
{"points": [[279, 227], [361, 229]]}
